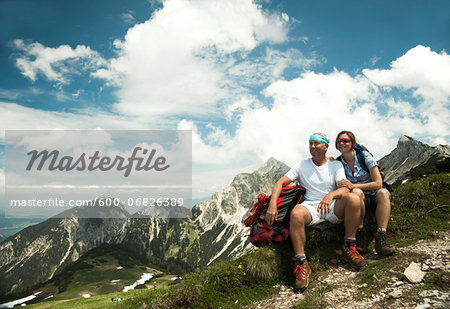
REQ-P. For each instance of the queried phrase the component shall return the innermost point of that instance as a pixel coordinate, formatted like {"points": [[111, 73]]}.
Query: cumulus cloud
{"points": [[328, 103], [426, 74], [420, 69], [55, 64], [178, 61]]}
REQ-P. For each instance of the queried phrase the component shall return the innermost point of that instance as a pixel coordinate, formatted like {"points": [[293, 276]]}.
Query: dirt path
{"points": [[382, 285]]}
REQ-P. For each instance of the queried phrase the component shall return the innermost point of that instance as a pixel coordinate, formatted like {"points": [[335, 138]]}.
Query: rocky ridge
{"points": [[409, 157]]}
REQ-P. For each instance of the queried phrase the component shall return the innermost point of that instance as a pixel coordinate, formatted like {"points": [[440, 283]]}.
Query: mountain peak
{"points": [[405, 138], [409, 157], [271, 164]]}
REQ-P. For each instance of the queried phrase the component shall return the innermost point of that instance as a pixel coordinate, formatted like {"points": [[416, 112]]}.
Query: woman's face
{"points": [[344, 143]]}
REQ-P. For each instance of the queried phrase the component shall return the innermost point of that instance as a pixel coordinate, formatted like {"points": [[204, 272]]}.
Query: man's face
{"points": [[317, 149]]}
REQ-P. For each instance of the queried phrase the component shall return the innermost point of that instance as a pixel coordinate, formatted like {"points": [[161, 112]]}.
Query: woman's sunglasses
{"points": [[343, 140]]}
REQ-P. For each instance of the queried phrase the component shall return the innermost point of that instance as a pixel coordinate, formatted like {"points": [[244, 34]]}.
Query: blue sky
{"points": [[251, 79]]}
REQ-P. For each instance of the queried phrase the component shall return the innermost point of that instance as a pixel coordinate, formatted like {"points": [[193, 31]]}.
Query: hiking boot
{"points": [[381, 245], [301, 272], [351, 256], [361, 241]]}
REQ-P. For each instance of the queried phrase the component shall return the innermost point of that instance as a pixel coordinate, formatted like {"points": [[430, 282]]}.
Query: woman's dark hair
{"points": [[350, 134]]}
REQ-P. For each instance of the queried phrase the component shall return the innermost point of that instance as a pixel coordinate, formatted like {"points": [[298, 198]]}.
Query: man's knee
{"points": [[351, 200], [300, 216]]}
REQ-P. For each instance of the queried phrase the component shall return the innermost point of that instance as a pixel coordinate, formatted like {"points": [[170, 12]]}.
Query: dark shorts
{"points": [[371, 201]]}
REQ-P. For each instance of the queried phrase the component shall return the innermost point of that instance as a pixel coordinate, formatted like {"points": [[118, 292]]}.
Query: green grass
{"points": [[100, 301], [226, 285], [93, 273], [420, 207]]}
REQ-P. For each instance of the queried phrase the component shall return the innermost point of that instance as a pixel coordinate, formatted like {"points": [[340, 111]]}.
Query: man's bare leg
{"points": [[300, 218], [348, 208]]}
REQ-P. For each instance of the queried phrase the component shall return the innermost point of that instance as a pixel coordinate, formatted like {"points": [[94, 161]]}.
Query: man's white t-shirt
{"points": [[317, 180]]}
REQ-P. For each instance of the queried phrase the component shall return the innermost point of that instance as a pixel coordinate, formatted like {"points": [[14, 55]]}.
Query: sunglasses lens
{"points": [[343, 140]]}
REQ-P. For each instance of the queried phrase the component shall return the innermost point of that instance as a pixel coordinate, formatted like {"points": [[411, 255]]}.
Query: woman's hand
{"points": [[345, 183]]}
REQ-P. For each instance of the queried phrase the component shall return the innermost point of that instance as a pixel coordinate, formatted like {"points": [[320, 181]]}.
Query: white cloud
{"points": [[427, 74], [176, 62], [269, 68], [421, 69], [128, 17], [56, 64], [326, 103], [17, 117]]}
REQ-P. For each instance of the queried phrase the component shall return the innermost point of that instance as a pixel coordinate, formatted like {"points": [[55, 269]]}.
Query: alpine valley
{"points": [[214, 232]]}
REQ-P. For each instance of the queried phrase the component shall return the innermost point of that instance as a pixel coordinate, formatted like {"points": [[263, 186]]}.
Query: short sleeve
{"points": [[340, 171], [292, 174], [370, 161]]}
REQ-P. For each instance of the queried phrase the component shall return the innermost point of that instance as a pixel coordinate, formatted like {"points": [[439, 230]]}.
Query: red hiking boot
{"points": [[301, 272], [351, 256]]}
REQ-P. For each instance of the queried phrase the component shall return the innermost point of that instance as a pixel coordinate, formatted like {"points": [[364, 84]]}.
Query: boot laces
{"points": [[300, 271], [352, 250], [383, 240]]}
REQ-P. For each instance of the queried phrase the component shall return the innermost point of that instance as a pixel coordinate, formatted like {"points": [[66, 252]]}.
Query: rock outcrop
{"points": [[409, 158]]}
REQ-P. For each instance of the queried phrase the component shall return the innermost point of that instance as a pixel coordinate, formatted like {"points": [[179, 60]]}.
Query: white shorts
{"points": [[316, 216]]}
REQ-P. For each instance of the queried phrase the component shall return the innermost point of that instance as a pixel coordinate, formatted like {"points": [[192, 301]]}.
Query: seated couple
{"points": [[335, 192]]}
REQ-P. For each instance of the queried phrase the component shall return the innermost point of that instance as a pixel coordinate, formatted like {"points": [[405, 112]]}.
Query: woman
{"points": [[368, 186]]}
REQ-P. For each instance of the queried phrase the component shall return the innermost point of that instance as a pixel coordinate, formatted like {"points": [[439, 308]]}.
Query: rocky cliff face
{"points": [[222, 234], [409, 158]]}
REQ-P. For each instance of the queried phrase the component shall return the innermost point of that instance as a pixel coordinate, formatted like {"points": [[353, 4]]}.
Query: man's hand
{"points": [[345, 183], [272, 211], [271, 214], [325, 204]]}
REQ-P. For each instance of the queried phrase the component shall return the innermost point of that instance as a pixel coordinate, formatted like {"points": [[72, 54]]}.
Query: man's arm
{"points": [[272, 211], [325, 203]]}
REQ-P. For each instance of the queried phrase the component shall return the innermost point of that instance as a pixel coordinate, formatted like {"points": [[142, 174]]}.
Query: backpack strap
{"points": [[359, 153]]}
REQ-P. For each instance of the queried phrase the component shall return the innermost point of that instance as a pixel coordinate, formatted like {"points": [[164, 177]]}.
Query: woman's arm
{"points": [[375, 184]]}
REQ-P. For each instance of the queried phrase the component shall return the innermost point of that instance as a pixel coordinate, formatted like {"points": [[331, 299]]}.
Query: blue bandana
{"points": [[319, 139]]}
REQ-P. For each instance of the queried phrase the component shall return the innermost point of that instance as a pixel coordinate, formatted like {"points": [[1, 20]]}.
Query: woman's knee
{"points": [[383, 194], [358, 192]]}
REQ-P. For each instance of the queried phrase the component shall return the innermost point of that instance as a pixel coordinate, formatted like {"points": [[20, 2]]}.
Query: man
{"points": [[323, 200]]}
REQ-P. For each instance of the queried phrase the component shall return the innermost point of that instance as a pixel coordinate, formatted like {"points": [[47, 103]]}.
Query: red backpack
{"points": [[262, 234]]}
